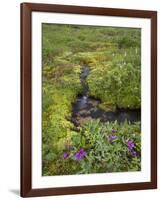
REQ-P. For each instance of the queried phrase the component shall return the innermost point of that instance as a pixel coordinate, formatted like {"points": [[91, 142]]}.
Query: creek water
{"points": [[86, 107]]}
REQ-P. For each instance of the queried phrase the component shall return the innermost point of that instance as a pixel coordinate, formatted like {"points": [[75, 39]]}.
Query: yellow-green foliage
{"points": [[115, 80], [60, 89]]}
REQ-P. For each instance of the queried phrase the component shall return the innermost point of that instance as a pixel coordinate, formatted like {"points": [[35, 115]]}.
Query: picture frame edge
{"points": [[25, 99], [26, 85]]}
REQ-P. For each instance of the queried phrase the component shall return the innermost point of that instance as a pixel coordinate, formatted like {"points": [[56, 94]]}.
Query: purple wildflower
{"points": [[66, 155], [112, 138], [80, 154], [130, 145], [113, 131]]}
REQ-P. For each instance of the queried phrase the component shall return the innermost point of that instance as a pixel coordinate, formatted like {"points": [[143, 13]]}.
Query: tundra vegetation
{"points": [[113, 56]]}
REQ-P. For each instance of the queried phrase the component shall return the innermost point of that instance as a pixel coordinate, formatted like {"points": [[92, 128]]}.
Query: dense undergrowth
{"points": [[113, 55]]}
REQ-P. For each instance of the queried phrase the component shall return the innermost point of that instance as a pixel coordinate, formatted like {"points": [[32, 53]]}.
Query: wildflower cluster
{"points": [[78, 155], [131, 147], [130, 143], [112, 137]]}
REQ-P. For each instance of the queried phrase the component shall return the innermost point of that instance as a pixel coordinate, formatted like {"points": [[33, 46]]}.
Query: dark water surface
{"points": [[86, 108]]}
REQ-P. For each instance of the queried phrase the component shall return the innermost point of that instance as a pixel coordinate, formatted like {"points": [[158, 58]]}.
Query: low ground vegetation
{"points": [[113, 56]]}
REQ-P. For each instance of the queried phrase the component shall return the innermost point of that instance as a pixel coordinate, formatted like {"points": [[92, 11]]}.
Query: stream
{"points": [[86, 108]]}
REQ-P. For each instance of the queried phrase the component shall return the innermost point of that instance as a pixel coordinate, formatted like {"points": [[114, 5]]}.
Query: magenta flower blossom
{"points": [[80, 154], [66, 155], [111, 138], [131, 145]]}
